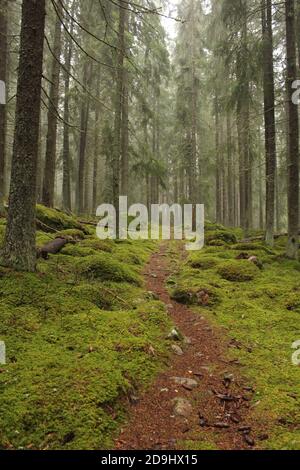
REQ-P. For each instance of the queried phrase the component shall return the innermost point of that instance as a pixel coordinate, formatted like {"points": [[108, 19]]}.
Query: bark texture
{"points": [[19, 246], [269, 114], [293, 132], [49, 174]]}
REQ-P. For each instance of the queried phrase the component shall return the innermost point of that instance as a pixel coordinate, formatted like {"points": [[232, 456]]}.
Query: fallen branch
{"points": [[84, 222], [53, 247]]}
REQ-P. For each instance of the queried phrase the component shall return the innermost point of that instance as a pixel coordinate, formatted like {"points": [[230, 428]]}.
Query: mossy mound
{"points": [[204, 296], [210, 226], [202, 262], [292, 302], [252, 247], [78, 251], [95, 294], [102, 266], [225, 236], [238, 271], [98, 245], [48, 219]]}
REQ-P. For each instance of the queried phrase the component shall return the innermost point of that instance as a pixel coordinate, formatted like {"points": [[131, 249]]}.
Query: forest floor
{"points": [[94, 361]]}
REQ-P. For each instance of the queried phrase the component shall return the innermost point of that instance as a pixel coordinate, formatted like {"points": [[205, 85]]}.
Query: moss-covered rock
{"points": [[197, 261], [205, 296], [226, 236], [238, 271], [102, 266], [292, 302]]}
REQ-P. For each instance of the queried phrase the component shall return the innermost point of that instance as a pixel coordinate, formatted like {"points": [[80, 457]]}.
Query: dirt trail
{"points": [[152, 422]]}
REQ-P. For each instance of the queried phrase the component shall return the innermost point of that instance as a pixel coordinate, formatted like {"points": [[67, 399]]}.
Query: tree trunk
{"points": [[293, 148], [230, 180], [19, 246], [125, 124], [3, 77], [50, 159], [269, 114], [96, 146], [84, 117], [218, 162], [66, 189], [118, 110]]}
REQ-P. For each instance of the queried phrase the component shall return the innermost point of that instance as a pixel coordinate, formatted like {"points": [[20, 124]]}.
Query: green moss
{"points": [[43, 238], [252, 247], [225, 236], [76, 349], [292, 301], [98, 245], [262, 315], [74, 234], [238, 271], [77, 250], [198, 261], [102, 266], [48, 219], [204, 295]]}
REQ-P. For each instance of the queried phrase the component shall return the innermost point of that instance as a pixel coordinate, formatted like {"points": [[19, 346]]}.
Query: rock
{"points": [[198, 354], [263, 437], [235, 418], [245, 429], [134, 399], [203, 421], [174, 335], [189, 383], [151, 351], [187, 340], [248, 439], [198, 374], [182, 407], [152, 296], [170, 306], [177, 350], [221, 425]]}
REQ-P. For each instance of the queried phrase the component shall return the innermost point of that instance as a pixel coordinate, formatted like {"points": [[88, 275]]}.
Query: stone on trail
{"points": [[190, 383], [182, 408], [174, 335], [177, 350]]}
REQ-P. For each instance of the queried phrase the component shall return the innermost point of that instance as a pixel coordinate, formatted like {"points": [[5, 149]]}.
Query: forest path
{"points": [[216, 411]]}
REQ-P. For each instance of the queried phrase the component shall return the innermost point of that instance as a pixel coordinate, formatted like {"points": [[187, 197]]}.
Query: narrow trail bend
{"points": [[220, 405]]}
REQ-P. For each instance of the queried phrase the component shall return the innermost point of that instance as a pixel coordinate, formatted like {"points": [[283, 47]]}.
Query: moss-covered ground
{"points": [[259, 309], [82, 335]]}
